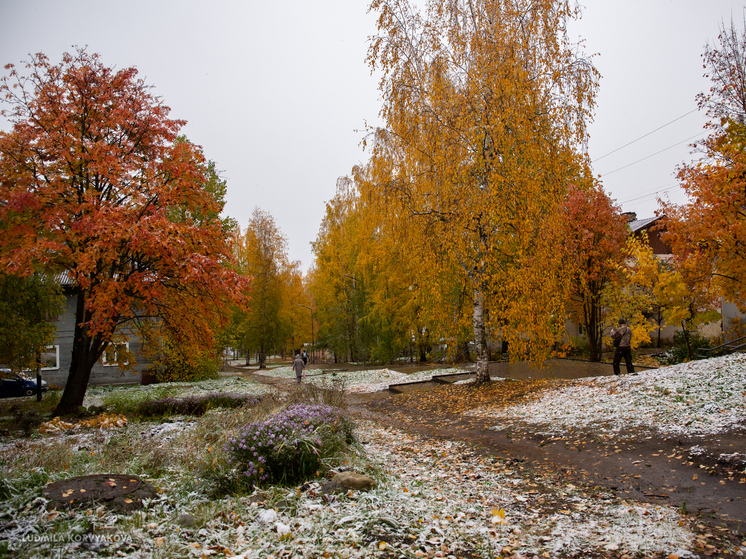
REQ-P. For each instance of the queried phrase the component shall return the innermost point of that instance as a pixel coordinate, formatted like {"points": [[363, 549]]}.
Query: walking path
{"points": [[641, 467]]}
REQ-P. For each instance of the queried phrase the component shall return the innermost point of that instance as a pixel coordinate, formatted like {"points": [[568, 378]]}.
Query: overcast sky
{"points": [[278, 93]]}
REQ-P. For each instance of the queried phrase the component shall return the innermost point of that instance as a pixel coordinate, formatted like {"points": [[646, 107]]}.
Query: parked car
{"points": [[13, 384]]}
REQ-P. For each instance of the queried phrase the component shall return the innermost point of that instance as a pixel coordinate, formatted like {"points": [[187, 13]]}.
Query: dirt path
{"points": [[634, 466]]}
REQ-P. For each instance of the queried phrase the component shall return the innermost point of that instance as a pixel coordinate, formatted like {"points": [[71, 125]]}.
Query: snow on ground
{"points": [[432, 498], [374, 380], [99, 395], [697, 398]]}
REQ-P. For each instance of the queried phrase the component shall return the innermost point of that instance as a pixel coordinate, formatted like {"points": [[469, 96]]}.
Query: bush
{"points": [[679, 353], [580, 346], [127, 399], [194, 405], [180, 369], [289, 447]]}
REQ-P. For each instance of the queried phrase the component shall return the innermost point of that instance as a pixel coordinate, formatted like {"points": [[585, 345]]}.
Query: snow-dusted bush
{"points": [[195, 405], [288, 447]]}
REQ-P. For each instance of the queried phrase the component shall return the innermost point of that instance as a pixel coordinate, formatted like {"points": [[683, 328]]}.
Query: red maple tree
{"points": [[596, 233], [91, 178]]}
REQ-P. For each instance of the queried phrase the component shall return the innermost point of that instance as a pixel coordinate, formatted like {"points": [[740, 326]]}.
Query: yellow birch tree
{"points": [[261, 252], [485, 103]]}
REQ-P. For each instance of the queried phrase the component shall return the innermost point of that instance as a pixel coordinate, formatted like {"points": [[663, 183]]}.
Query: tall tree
{"points": [[29, 307], [338, 291], [596, 239], [710, 231], [298, 309], [261, 252], [90, 175], [485, 103]]}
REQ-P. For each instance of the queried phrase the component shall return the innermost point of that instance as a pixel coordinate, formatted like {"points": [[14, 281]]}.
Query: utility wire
{"points": [[649, 195], [646, 135], [651, 155]]}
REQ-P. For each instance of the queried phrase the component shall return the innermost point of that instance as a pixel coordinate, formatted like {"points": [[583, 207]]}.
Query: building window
{"points": [[50, 358], [116, 354], [581, 330]]}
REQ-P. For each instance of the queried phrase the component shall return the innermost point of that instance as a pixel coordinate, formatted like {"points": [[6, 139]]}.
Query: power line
{"points": [[649, 195], [646, 135], [652, 155]]}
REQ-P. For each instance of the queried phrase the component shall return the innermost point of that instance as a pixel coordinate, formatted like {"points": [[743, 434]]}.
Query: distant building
{"points": [[56, 359], [650, 229]]}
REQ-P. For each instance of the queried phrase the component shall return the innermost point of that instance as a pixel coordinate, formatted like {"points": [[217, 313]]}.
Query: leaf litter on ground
{"points": [[433, 497]]}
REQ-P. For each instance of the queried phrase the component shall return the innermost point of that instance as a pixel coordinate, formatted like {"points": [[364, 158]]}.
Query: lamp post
{"points": [[313, 340]]}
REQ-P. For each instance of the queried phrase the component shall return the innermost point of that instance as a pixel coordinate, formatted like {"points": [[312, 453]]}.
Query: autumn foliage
{"points": [[708, 235], [261, 252], [485, 106], [596, 235], [91, 177]]}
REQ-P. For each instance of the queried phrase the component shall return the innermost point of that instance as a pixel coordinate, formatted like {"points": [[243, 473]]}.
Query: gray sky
{"points": [[278, 93]]}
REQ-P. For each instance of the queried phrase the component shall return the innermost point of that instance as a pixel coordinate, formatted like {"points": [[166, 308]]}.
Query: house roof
{"points": [[640, 224]]}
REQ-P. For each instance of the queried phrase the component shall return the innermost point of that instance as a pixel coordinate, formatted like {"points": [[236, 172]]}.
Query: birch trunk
{"points": [[480, 338]]}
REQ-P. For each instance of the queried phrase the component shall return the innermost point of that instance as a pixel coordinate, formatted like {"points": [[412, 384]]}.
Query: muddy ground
{"points": [[635, 465], [638, 466]]}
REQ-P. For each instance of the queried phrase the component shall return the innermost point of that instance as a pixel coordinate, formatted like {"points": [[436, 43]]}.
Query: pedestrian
{"points": [[299, 367], [622, 337], [305, 358]]}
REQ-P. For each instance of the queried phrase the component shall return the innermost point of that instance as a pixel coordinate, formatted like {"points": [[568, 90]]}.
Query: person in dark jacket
{"points": [[623, 349], [299, 367]]}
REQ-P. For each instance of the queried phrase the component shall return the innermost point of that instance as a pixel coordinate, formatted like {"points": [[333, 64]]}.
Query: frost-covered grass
{"points": [[124, 399], [431, 497], [697, 398], [371, 380]]}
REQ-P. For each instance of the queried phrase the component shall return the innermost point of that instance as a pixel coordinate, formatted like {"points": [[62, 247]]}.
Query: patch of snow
{"points": [[698, 398]]}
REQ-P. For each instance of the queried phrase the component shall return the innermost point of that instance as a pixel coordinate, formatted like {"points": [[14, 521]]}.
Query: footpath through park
{"points": [[633, 465]]}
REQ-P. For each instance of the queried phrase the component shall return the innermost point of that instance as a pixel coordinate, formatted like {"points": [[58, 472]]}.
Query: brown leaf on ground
{"points": [[456, 399]]}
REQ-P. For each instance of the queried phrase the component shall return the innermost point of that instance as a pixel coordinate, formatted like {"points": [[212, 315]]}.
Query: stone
{"points": [[345, 481], [351, 480]]}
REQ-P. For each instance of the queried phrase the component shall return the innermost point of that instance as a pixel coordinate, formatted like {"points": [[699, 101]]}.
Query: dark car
{"points": [[13, 384]]}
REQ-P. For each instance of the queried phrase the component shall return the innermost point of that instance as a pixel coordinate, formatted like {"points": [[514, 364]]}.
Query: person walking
{"points": [[299, 367], [622, 337]]}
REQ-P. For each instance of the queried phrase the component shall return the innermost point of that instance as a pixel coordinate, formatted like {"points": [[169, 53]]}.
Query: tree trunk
{"points": [[262, 359], [86, 351], [688, 341], [480, 338], [592, 312], [659, 319]]}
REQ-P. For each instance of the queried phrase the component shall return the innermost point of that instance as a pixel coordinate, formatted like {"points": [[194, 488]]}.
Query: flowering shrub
{"points": [[289, 446], [195, 405]]}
